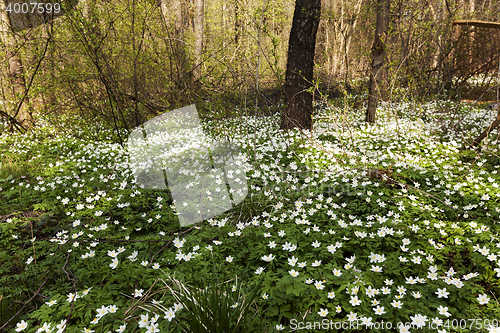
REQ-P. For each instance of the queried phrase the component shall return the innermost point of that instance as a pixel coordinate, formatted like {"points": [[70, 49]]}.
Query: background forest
{"points": [[124, 62], [358, 221]]}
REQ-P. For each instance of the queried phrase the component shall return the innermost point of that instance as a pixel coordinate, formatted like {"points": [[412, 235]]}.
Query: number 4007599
{"points": [[34, 8]]}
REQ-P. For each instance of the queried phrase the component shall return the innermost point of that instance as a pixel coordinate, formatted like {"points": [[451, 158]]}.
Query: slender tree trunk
{"points": [[439, 44], [324, 29], [237, 22], [378, 57], [320, 52], [85, 6], [405, 35], [339, 36], [299, 71], [173, 9], [328, 8], [198, 33], [472, 38], [223, 21], [352, 28], [21, 113], [178, 16], [49, 97], [449, 63]]}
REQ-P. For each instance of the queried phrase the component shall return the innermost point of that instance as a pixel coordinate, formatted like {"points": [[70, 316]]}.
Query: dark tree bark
{"points": [[378, 57], [299, 70]]}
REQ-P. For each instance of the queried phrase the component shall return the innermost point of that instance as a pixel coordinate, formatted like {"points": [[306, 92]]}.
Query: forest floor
{"points": [[353, 227]]}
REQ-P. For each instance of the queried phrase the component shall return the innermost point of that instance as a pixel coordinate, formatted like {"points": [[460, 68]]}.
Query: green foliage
{"points": [[320, 235], [216, 306]]}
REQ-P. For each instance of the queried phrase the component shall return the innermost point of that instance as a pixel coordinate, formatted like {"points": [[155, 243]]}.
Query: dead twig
{"points": [[24, 305]]}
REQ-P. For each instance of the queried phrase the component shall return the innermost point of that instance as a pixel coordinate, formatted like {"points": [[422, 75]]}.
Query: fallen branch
{"points": [[477, 23], [486, 132], [13, 122]]}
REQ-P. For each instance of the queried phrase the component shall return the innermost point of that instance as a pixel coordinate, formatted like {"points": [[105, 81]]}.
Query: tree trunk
{"points": [[352, 27], [449, 67], [438, 38], [21, 112], [49, 97], [378, 57], [299, 70], [472, 39], [322, 38], [237, 22], [198, 33], [338, 40], [173, 9]]}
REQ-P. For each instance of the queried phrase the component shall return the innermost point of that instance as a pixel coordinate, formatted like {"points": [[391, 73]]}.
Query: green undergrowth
{"points": [[356, 224]]}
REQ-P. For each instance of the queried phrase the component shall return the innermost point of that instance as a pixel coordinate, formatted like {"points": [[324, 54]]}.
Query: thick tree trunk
{"points": [[378, 57], [299, 71]]}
